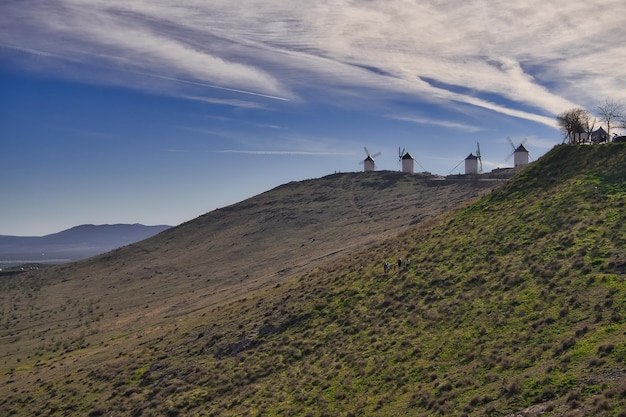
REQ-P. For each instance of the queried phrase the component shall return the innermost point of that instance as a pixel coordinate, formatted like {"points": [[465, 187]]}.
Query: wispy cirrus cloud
{"points": [[262, 152], [282, 152], [232, 102], [442, 123], [526, 59]]}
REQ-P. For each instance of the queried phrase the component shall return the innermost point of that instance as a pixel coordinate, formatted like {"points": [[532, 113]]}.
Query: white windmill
{"points": [[473, 163], [520, 154], [368, 162], [406, 161], [408, 165]]}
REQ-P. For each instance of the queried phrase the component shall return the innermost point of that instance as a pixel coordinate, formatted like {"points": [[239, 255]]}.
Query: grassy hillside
{"points": [[513, 304], [215, 258], [91, 310]]}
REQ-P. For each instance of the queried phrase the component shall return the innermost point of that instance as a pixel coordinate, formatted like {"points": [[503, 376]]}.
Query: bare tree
{"points": [[609, 112], [590, 127], [573, 124]]}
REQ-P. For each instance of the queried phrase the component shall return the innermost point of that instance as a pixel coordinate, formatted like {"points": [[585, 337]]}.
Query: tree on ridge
{"points": [[573, 123], [610, 111]]}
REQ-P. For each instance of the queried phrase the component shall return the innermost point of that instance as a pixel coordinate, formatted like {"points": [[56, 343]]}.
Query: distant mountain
{"points": [[73, 244]]}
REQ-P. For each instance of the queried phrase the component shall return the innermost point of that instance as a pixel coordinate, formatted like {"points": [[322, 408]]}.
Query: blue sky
{"points": [[156, 112]]}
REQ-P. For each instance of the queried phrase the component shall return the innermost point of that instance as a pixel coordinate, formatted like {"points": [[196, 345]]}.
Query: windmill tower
{"points": [[368, 162], [474, 163], [520, 154], [471, 164], [407, 163], [406, 160]]}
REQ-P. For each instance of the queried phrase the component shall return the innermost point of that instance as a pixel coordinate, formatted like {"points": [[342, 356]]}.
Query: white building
{"points": [[368, 164], [407, 163], [520, 156], [471, 164]]}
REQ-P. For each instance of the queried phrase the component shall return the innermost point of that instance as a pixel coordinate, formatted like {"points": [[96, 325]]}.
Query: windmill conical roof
{"points": [[471, 156], [407, 156], [521, 148]]}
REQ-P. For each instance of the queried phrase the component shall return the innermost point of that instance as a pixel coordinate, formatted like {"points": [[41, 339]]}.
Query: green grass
{"points": [[517, 300]]}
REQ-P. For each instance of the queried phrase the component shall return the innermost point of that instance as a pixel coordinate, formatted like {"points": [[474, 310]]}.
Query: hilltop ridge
{"points": [[513, 304]]}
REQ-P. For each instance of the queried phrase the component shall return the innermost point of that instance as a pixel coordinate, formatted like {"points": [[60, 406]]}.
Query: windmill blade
{"points": [[376, 155], [457, 166], [511, 143], [400, 156], [510, 155], [480, 158], [421, 166], [523, 141], [366, 151]]}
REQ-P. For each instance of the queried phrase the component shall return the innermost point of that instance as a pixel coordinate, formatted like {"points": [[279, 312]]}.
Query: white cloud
{"points": [[528, 59], [443, 123], [227, 102]]}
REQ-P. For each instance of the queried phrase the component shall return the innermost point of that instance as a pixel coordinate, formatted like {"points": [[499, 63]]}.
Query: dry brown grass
{"points": [[60, 319]]}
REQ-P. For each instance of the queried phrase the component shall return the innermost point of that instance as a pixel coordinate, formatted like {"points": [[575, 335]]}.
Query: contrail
{"points": [[235, 90], [306, 153], [147, 74], [252, 152], [30, 51]]}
